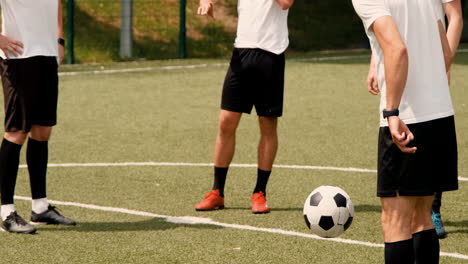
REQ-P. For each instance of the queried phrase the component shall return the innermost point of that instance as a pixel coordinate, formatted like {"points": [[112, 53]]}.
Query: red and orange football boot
{"points": [[259, 205], [212, 201]]}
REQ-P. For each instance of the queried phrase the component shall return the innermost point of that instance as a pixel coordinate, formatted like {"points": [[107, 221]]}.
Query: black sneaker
{"points": [[51, 217], [15, 224]]}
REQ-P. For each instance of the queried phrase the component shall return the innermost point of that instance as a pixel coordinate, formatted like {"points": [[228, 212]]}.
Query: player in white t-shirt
{"points": [[417, 142], [255, 78], [31, 43], [452, 9]]}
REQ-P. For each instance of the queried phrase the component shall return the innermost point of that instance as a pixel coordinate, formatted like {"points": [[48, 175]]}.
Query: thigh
{"points": [[269, 85], [46, 94], [236, 96]]}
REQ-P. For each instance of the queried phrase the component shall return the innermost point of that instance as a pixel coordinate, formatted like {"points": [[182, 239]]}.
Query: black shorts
{"points": [[30, 89], [255, 77], [433, 168]]}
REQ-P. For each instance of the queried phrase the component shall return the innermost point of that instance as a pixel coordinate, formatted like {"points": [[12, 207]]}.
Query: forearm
{"points": [[285, 4], [396, 72], [454, 32], [447, 52], [60, 21]]}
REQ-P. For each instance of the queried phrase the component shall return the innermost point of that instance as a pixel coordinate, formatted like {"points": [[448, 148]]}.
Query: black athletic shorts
{"points": [[30, 89], [433, 168], [255, 78]]}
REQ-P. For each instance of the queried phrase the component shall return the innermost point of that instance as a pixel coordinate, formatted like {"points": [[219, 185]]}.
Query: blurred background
{"points": [[169, 29]]}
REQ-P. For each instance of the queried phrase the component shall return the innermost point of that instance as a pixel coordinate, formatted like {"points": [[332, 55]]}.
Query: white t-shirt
{"points": [[34, 23], [426, 96], [262, 24]]}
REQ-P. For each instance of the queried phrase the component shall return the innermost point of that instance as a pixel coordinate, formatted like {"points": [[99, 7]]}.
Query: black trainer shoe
{"points": [[15, 224], [51, 217]]}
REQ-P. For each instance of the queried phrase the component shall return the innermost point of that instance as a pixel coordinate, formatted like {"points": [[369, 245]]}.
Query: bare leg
{"points": [[226, 138], [268, 145], [397, 214]]}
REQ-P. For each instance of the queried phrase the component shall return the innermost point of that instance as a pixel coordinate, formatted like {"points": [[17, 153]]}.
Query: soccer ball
{"points": [[328, 211]]}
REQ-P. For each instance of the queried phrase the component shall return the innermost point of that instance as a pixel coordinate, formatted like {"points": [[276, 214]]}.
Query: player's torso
{"points": [[34, 23], [262, 24], [426, 95]]}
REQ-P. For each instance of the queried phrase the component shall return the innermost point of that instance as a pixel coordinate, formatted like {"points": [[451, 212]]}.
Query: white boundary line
{"points": [[206, 65], [144, 69], [189, 164], [208, 221]]}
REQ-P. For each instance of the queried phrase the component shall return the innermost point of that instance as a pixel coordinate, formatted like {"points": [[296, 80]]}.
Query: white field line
{"points": [[196, 66], [188, 164], [208, 221], [143, 69]]}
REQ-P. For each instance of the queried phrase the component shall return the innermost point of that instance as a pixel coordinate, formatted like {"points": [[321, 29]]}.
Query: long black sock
{"points": [[400, 252], [37, 155], [262, 180], [437, 203], [9, 162], [426, 247], [220, 179]]}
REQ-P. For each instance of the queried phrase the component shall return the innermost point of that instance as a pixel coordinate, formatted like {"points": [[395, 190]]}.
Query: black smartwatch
{"points": [[387, 113], [61, 41]]}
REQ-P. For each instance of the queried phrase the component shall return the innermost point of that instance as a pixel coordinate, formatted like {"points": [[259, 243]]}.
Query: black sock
{"points": [[437, 203], [426, 247], [262, 180], [9, 162], [220, 179], [400, 252], [37, 154]]}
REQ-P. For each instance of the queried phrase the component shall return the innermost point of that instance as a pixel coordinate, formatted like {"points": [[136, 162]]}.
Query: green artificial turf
{"points": [[165, 115]]}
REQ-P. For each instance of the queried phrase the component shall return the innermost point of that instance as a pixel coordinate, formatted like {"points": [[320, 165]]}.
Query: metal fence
{"points": [[167, 29]]}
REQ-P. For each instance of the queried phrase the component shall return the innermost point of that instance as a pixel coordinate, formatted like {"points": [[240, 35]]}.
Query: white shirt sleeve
{"points": [[446, 1], [370, 10]]}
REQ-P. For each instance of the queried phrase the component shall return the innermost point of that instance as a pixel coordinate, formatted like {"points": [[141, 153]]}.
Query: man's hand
{"points": [[401, 134], [372, 84], [9, 45], [61, 52], [206, 8]]}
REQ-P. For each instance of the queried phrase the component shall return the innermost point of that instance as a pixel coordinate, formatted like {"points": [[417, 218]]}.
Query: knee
{"points": [[40, 137], [227, 127], [40, 133], [17, 137]]}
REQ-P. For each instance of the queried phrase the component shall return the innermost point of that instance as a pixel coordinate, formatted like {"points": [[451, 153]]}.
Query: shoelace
{"points": [[55, 209], [18, 219]]}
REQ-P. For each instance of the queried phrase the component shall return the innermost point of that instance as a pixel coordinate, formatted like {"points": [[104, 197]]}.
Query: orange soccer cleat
{"points": [[212, 201], [259, 205]]}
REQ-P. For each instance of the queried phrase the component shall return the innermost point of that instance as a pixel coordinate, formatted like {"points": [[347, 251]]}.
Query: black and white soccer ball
{"points": [[328, 211]]}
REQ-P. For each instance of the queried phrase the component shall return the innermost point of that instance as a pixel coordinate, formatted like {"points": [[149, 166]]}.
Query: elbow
{"points": [[400, 52], [285, 5]]}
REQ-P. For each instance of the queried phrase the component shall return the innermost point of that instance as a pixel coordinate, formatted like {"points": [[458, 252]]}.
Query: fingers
{"points": [[206, 10], [372, 86], [14, 47], [402, 142]]}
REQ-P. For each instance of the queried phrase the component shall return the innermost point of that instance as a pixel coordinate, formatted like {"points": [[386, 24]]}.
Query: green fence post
{"points": [[126, 30], [70, 31], [183, 30]]}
